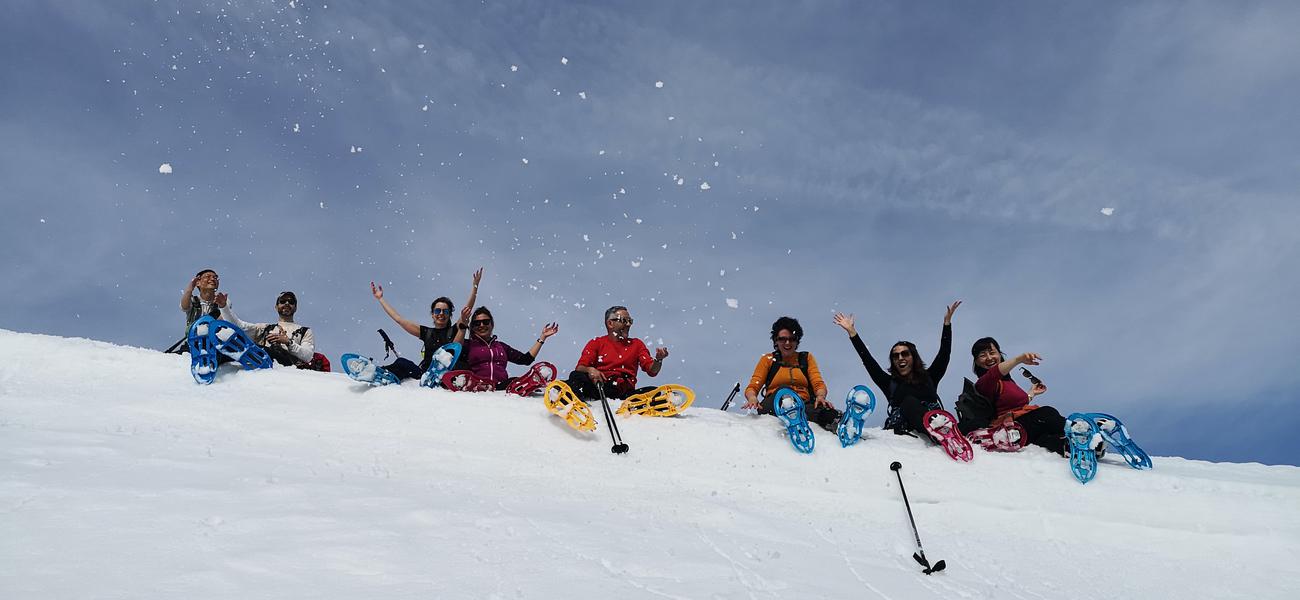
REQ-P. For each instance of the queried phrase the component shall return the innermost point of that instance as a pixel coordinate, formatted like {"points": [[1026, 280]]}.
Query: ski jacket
{"points": [[302, 342], [926, 390], [1007, 396], [787, 375], [488, 359], [617, 359]]}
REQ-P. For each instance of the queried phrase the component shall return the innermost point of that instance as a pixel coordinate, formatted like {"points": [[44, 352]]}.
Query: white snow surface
{"points": [[125, 479]]}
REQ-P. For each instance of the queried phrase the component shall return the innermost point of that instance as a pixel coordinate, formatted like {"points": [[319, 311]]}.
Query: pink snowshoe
{"points": [[466, 381], [942, 426], [534, 379], [1009, 437]]}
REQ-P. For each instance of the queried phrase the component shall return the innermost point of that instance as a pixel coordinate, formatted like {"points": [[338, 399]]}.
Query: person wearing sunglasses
{"points": [[195, 306], [911, 388], [486, 356], [787, 367], [287, 342], [433, 337], [612, 360], [1043, 425]]}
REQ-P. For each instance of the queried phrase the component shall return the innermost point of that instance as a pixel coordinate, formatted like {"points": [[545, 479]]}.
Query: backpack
{"points": [[776, 366], [974, 411]]}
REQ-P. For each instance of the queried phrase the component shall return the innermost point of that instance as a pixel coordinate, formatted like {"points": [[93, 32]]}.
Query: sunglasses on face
{"points": [[442, 311], [483, 323], [898, 354], [623, 320], [288, 301], [790, 340]]}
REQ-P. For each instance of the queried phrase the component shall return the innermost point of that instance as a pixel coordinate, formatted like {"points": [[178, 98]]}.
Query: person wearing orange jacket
{"points": [[787, 367]]}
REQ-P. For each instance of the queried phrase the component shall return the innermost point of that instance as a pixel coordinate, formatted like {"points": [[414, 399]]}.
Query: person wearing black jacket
{"points": [[911, 388]]}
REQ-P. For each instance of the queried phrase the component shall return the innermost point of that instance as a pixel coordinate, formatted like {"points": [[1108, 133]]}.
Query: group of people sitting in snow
{"points": [[611, 362]]}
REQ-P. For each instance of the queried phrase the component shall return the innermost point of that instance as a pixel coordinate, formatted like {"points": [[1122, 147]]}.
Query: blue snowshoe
{"points": [[859, 405], [1082, 436], [788, 406], [230, 340], [203, 354], [364, 369], [1116, 434], [444, 359]]}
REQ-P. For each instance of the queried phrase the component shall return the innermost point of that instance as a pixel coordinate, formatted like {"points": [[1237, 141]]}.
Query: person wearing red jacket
{"points": [[612, 360]]}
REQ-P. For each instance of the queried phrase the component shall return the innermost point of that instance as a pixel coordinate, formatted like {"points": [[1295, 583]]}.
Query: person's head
{"points": [[208, 281], [986, 354], [905, 363], [480, 323], [786, 335], [618, 321], [440, 310], [286, 304]]}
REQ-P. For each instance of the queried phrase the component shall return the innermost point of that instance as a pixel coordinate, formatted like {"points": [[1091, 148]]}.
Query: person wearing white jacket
{"points": [[286, 341]]}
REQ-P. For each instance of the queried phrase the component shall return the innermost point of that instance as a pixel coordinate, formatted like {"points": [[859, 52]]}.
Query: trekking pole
{"points": [[920, 552], [727, 404], [389, 348], [619, 447]]}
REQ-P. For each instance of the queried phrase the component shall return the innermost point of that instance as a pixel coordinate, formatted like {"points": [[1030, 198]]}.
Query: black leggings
{"points": [[584, 387], [914, 410], [1045, 427]]}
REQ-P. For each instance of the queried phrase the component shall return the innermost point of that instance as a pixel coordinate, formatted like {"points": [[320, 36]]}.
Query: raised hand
{"points": [[952, 308], [549, 330], [661, 353], [221, 299], [1038, 390], [1029, 358], [377, 291], [465, 312], [846, 323], [478, 276]]}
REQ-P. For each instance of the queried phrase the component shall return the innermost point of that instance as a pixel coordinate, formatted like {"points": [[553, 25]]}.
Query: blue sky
{"points": [[880, 158]]}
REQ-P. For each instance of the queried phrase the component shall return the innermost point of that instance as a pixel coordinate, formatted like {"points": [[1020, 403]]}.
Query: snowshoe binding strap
{"points": [[562, 402], [942, 427], [1116, 434], [203, 353], [364, 369], [534, 379], [1010, 437], [789, 407], [466, 381], [1082, 436], [444, 359], [663, 401]]}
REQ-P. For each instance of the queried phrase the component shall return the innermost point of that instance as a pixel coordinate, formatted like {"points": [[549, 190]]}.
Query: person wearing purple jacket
{"points": [[486, 356]]}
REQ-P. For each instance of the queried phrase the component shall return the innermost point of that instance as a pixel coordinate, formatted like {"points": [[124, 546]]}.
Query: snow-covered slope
{"points": [[121, 478]]}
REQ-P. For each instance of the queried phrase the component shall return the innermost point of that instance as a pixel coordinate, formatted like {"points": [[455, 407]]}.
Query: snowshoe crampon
{"points": [[1082, 436], [663, 401], [1116, 434], [466, 381], [1009, 437], [532, 380], [443, 359], [203, 353], [942, 427], [562, 402], [789, 407], [364, 369], [230, 340], [859, 405]]}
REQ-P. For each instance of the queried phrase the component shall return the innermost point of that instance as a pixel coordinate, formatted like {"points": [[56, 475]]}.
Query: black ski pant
{"points": [[403, 368], [827, 418], [1045, 427], [584, 387], [913, 410]]}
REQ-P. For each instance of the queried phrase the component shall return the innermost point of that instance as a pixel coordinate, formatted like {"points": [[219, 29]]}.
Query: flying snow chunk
{"points": [[525, 160], [1108, 211], [733, 303], [705, 186], [420, 46], [165, 168], [425, 108], [514, 68], [659, 84], [355, 149], [296, 128], [636, 263], [582, 95], [564, 60]]}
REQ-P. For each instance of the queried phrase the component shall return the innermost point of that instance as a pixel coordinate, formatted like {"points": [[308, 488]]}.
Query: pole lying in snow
{"points": [[920, 552]]}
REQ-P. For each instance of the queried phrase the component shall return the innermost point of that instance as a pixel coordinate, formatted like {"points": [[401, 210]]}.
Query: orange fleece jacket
{"points": [[787, 375]]}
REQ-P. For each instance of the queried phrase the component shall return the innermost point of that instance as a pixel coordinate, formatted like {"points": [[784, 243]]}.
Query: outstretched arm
{"points": [[878, 375], [378, 292], [549, 330], [473, 291], [189, 291], [939, 366]]}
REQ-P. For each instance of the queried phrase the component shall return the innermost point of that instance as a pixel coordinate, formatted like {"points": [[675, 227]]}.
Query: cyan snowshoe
{"points": [[443, 360], [1081, 433], [859, 405], [789, 407], [230, 340], [364, 369], [1116, 434], [203, 354]]}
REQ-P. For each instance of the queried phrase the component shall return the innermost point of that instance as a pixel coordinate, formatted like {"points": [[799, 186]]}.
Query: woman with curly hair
{"points": [[786, 367]]}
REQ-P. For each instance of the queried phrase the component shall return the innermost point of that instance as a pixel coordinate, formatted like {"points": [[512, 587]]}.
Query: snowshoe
{"points": [[532, 380], [942, 427], [1009, 437], [466, 381], [364, 369], [562, 402], [444, 359], [663, 401], [789, 407], [859, 405], [230, 340], [203, 354], [1116, 434], [1082, 435]]}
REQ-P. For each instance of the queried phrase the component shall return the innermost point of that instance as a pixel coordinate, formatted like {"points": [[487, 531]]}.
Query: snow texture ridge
{"points": [[128, 480]]}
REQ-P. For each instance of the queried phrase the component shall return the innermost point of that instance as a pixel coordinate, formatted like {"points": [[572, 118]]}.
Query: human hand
{"points": [[595, 375], [1038, 390], [377, 291], [193, 284], [661, 353], [952, 308], [549, 330], [277, 337], [846, 323], [478, 276], [221, 299], [821, 402], [1029, 358], [465, 312]]}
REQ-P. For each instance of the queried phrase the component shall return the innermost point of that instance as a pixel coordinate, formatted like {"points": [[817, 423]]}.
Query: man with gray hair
{"points": [[612, 360]]}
